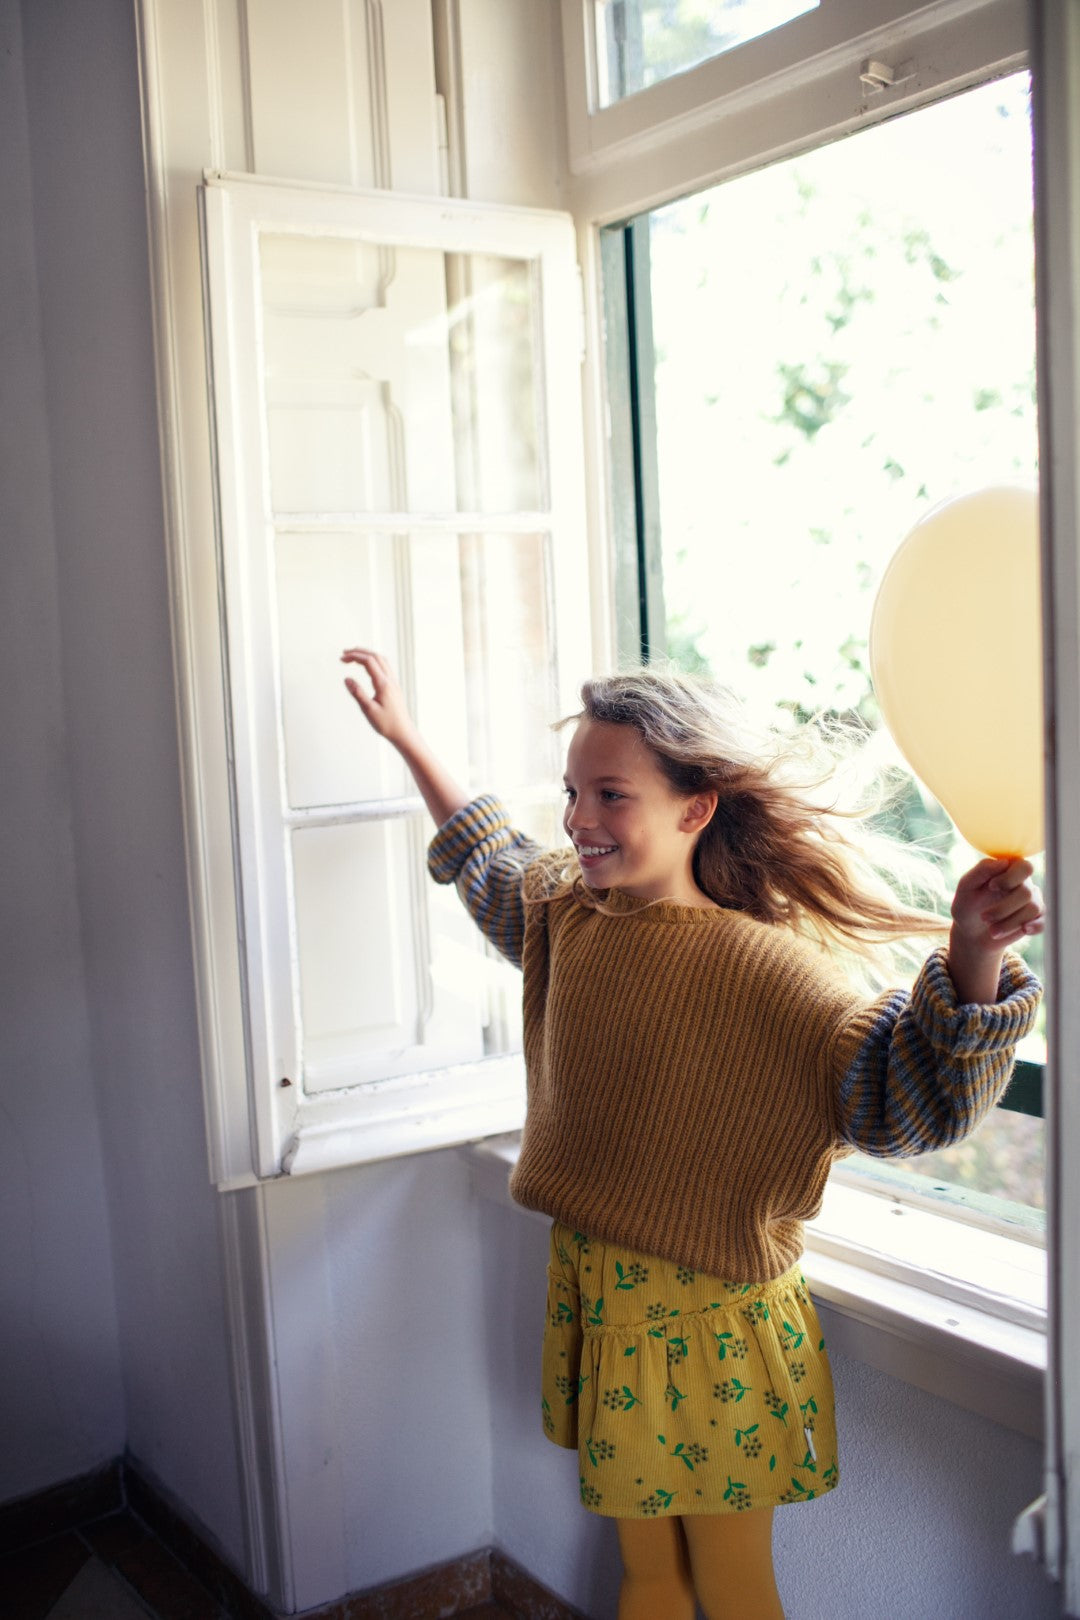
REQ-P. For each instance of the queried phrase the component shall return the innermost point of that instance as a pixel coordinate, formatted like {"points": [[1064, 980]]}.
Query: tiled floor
{"points": [[115, 1569]]}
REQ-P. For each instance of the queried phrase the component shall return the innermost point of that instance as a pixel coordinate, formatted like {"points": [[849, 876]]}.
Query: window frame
{"points": [[770, 97], [1050, 1529], [261, 1122]]}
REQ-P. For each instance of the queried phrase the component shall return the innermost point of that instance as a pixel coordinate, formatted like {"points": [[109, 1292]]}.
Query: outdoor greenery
{"points": [[842, 341]]}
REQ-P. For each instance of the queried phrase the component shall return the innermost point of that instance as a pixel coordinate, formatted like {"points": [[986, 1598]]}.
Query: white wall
{"points": [[115, 882], [378, 1342], [62, 1408]]}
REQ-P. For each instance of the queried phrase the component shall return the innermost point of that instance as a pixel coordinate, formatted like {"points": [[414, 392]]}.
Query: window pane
{"points": [[839, 343], [1005, 1157], [639, 42], [389, 968], [474, 611], [398, 379]]}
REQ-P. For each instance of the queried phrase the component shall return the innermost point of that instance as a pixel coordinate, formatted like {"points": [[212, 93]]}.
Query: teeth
{"points": [[593, 849]]}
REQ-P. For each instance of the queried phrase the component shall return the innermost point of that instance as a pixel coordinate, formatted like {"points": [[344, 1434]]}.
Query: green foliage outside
{"points": [[843, 341]]}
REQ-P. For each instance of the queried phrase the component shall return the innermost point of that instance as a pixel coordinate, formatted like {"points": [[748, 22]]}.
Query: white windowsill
{"points": [[953, 1310]]}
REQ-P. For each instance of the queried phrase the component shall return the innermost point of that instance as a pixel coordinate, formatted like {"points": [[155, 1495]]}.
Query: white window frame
{"points": [[904, 1306], [1052, 1528], [262, 1123], [770, 96]]}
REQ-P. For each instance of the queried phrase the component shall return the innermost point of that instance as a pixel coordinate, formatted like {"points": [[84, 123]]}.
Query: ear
{"points": [[699, 811]]}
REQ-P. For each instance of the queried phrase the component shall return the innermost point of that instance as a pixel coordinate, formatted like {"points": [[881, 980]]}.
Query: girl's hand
{"points": [[995, 904], [384, 708]]}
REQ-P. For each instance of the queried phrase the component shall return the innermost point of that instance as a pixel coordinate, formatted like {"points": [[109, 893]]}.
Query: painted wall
{"points": [[62, 1410], [379, 1340], [96, 690]]}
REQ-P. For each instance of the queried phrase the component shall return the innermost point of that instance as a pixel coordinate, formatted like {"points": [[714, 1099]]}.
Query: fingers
{"points": [[1017, 908], [378, 671], [373, 662], [998, 901]]}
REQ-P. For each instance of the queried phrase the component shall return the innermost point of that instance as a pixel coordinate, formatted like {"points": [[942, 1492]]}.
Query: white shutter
{"points": [[397, 419]]}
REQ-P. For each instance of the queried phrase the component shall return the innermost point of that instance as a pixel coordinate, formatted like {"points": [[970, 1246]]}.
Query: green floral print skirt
{"points": [[682, 1394]]}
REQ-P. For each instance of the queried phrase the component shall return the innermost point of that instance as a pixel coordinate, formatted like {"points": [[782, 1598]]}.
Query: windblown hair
{"points": [[790, 842]]}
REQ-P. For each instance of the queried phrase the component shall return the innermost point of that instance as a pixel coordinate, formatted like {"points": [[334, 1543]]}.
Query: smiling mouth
{"points": [[590, 852]]}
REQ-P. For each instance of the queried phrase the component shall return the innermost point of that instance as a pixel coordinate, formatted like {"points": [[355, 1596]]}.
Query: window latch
{"points": [[876, 76]]}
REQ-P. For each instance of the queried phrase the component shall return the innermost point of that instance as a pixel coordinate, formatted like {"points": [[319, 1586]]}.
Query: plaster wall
{"points": [[62, 1412], [92, 459], [382, 1383]]}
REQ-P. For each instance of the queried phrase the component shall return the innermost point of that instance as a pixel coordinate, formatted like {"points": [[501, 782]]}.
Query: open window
{"points": [[928, 1310], [396, 409], [808, 370]]}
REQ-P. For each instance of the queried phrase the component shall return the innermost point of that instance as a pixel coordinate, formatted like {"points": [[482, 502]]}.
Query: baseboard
{"points": [[430, 1594]]}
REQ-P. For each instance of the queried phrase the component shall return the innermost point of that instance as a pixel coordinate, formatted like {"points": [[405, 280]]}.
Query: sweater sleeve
{"points": [[920, 1071], [479, 851]]}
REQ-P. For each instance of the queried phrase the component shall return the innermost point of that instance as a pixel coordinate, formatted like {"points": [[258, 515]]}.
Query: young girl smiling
{"points": [[697, 1059]]}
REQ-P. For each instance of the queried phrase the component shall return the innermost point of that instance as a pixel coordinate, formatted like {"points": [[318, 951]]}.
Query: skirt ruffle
{"points": [[681, 1393]]}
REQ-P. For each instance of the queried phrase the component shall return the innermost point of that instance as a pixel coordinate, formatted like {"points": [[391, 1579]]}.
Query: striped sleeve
{"points": [[479, 851], [925, 1069]]}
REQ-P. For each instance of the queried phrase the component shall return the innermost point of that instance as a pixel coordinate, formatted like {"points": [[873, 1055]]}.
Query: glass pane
{"points": [[335, 591], [639, 42], [399, 379], [1005, 1156], [474, 610], [499, 585], [390, 966], [840, 342]]}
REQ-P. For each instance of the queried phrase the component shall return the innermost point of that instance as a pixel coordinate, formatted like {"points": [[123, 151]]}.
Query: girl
{"points": [[695, 1064]]}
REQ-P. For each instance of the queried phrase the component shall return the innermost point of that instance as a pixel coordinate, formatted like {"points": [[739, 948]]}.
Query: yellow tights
{"points": [[723, 1561]]}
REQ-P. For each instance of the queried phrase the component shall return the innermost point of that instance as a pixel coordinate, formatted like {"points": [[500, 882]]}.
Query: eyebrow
{"points": [[625, 780]]}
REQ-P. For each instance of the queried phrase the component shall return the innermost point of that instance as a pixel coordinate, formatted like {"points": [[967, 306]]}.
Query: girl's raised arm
{"points": [[479, 852], [385, 710]]}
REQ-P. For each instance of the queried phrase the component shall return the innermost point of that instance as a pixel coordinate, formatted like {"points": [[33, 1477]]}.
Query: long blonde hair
{"points": [[790, 842]]}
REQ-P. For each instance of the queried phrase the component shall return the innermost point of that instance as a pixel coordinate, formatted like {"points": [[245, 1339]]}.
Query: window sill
{"points": [[956, 1333]]}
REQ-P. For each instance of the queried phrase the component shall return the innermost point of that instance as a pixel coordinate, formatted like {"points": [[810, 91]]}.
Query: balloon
{"points": [[956, 659]]}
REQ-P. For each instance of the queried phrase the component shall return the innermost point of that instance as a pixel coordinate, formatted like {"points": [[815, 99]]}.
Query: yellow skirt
{"points": [[682, 1394]]}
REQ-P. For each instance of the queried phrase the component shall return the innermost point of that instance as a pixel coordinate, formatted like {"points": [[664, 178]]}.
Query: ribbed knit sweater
{"points": [[693, 1073]]}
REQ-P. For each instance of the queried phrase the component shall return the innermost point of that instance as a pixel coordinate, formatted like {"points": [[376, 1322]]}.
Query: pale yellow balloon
{"points": [[956, 658]]}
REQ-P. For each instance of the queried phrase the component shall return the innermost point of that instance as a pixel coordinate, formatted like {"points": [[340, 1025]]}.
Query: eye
{"points": [[610, 794], [568, 791]]}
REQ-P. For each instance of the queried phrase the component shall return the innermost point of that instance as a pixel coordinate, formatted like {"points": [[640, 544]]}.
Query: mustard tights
{"points": [[724, 1561]]}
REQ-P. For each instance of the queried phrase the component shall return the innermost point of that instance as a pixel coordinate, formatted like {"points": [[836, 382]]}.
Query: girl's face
{"points": [[630, 828]]}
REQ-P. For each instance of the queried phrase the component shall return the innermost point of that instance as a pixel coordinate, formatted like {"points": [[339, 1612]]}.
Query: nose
{"points": [[577, 816]]}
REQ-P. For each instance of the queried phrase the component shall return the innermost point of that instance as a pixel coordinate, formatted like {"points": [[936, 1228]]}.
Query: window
{"points": [[395, 393], [644, 122], [812, 371], [638, 43], [752, 106]]}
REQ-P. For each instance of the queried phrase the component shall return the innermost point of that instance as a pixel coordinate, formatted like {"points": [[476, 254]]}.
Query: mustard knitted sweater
{"points": [[693, 1073]]}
